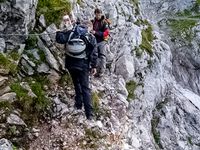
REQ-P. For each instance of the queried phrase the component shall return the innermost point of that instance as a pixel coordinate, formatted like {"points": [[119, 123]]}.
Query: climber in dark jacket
{"points": [[101, 32], [79, 69]]}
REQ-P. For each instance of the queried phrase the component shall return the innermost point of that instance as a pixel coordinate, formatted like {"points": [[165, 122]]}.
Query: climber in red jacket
{"points": [[101, 32]]}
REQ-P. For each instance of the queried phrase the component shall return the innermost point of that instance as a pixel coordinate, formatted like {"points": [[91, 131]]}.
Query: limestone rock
{"points": [[125, 67], [5, 90], [4, 71], [5, 144], [26, 67], [10, 97], [2, 45], [43, 68], [15, 120], [49, 56], [42, 21], [3, 80]]}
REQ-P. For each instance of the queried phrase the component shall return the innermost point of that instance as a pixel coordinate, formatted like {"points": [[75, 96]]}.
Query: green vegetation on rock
{"points": [[95, 102], [131, 86], [156, 134], [15, 148], [189, 139], [41, 102], [92, 137], [5, 105], [8, 64], [31, 42], [155, 121], [147, 39], [184, 21], [14, 55], [79, 2], [66, 80], [53, 10], [31, 107], [136, 4], [140, 22], [183, 28], [42, 55]]}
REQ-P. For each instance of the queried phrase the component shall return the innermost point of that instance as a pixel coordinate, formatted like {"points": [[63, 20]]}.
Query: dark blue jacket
{"points": [[91, 50], [90, 60]]}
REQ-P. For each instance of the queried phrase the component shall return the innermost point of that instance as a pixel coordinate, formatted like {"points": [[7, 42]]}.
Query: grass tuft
{"points": [[6, 63]]}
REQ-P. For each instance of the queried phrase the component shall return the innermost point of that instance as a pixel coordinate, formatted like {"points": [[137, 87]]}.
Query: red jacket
{"points": [[101, 29]]}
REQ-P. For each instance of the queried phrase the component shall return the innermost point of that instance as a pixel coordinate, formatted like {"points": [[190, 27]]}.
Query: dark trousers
{"points": [[82, 90]]}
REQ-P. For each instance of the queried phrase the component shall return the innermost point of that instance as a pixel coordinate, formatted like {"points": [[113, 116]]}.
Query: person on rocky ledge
{"points": [[80, 61], [101, 32]]}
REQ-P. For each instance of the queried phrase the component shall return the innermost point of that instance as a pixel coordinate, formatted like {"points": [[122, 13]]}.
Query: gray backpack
{"points": [[76, 46]]}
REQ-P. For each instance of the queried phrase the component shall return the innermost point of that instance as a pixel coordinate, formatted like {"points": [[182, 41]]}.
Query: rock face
{"points": [[2, 45], [5, 145], [17, 17], [169, 129]]}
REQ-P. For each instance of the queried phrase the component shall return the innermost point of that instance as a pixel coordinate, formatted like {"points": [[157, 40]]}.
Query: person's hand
{"points": [[93, 71], [93, 32]]}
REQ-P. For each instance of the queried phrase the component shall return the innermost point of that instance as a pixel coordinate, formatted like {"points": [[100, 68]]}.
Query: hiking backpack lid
{"points": [[76, 46]]}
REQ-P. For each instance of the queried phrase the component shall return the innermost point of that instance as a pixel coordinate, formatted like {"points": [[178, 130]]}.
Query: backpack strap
{"points": [[72, 32]]}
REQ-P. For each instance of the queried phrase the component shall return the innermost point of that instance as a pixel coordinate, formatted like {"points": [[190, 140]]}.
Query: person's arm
{"points": [[94, 53], [105, 31], [62, 37]]}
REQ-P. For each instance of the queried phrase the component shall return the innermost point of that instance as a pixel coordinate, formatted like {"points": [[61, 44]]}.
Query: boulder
{"points": [[8, 97], [125, 67], [5, 144], [49, 56], [15, 120]]}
